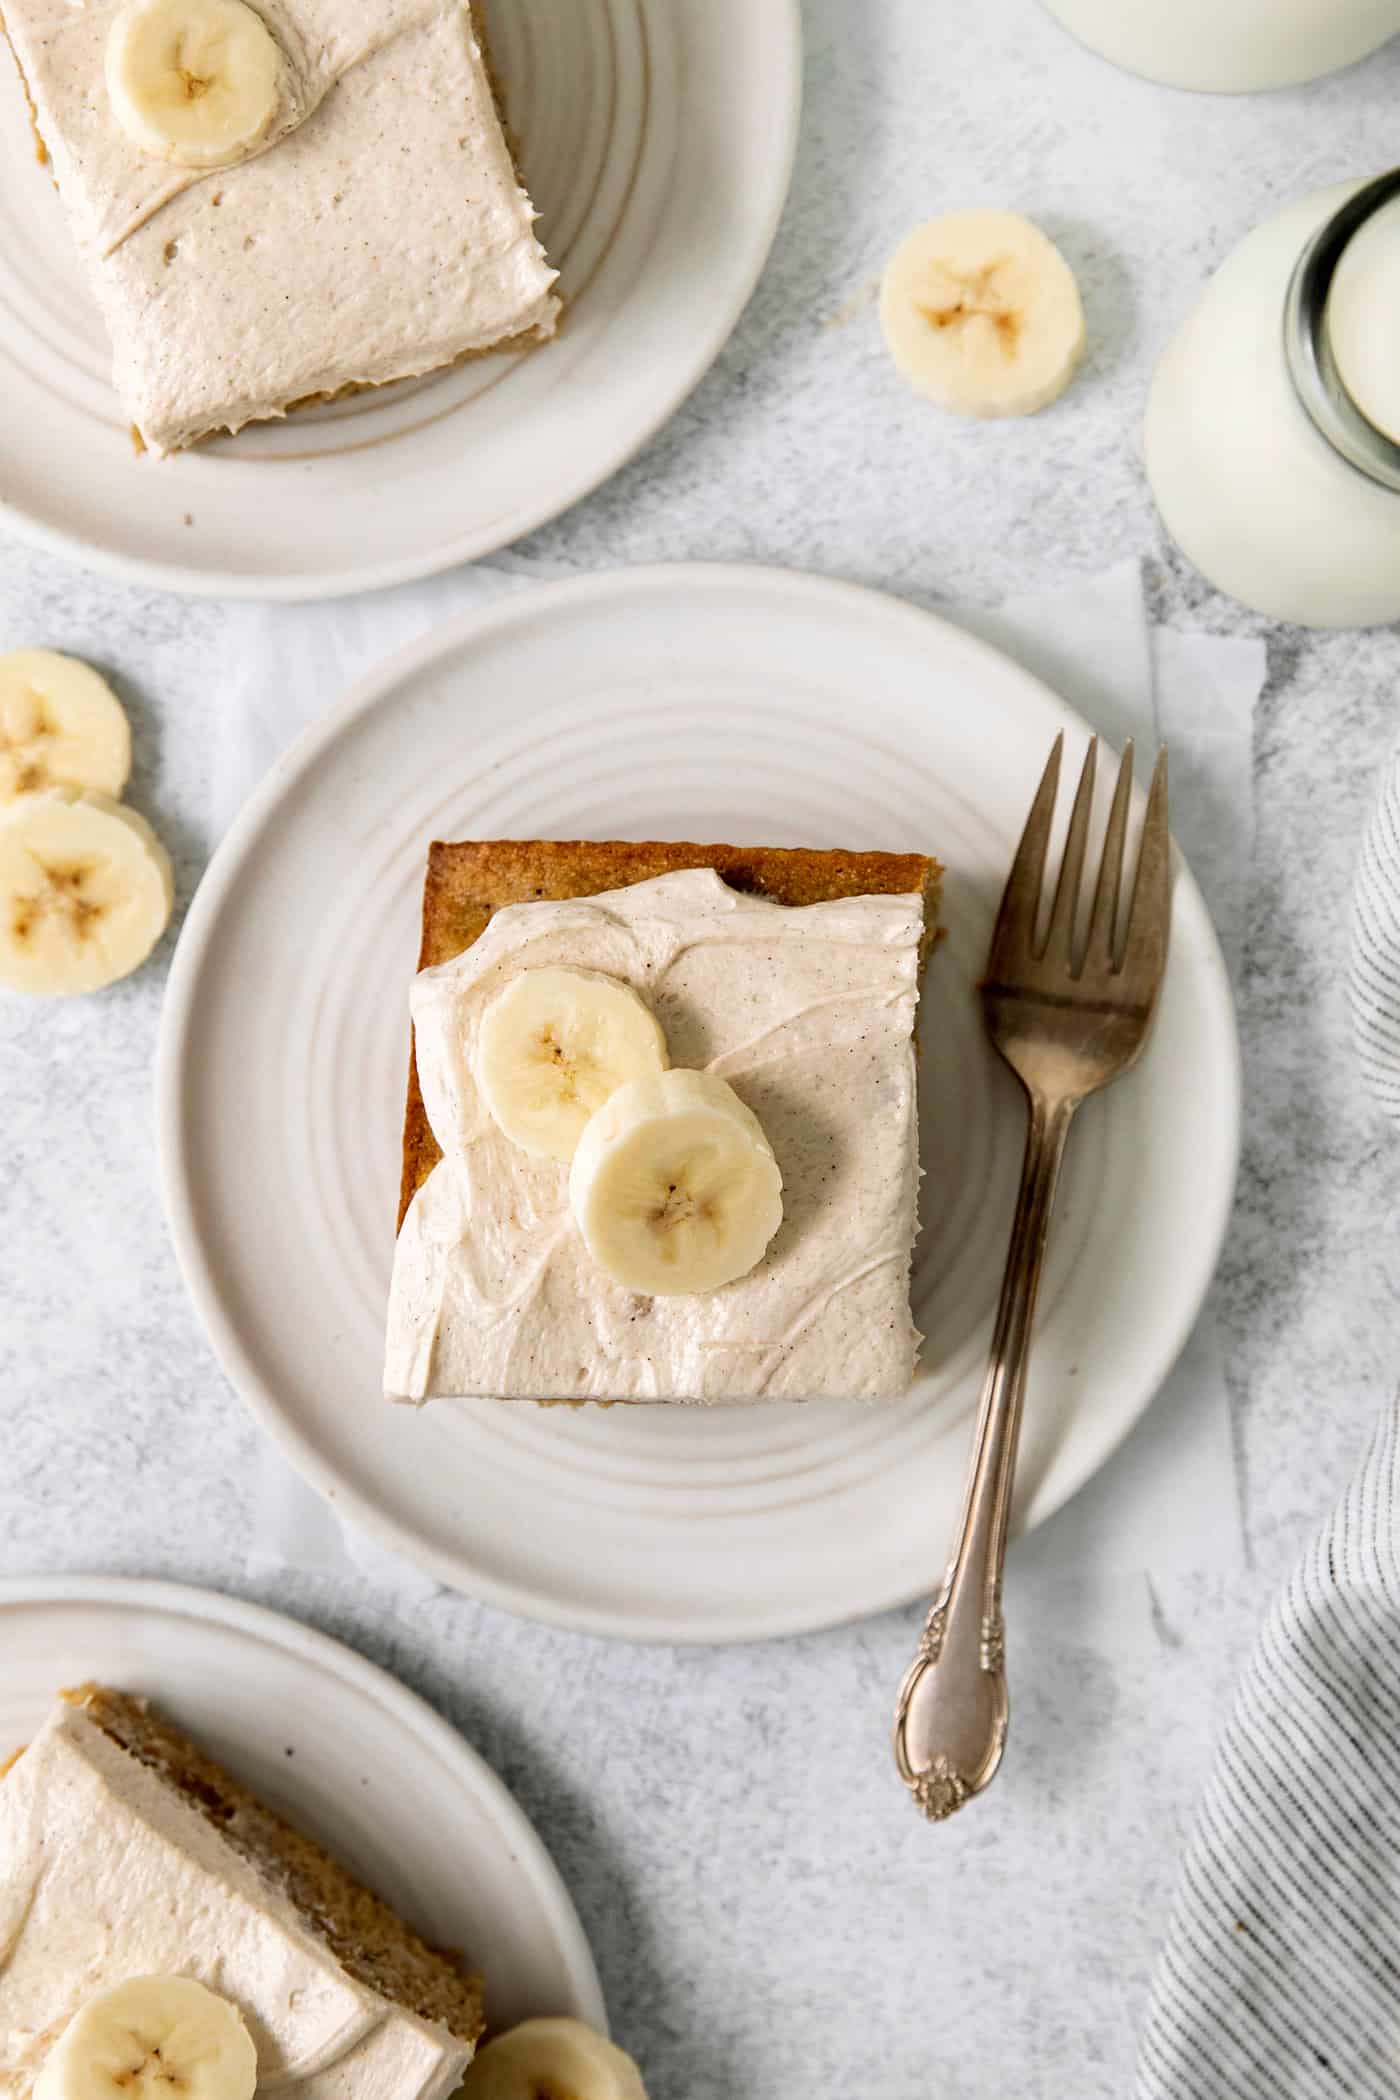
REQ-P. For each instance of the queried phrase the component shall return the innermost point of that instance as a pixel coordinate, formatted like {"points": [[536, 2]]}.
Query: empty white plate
{"points": [[741, 704], [342, 1749], [657, 142]]}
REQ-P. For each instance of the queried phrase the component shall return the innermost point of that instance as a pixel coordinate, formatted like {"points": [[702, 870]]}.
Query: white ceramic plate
{"points": [[338, 1746], [699, 703], [657, 140]]}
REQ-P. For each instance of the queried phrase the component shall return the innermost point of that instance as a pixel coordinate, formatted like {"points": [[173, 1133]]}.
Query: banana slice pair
{"points": [[86, 888], [552, 2060], [672, 1183], [150, 2038], [981, 313], [197, 82]]}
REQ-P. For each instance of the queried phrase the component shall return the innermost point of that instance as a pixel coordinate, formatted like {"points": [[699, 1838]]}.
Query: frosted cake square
{"points": [[792, 976], [126, 1852], [370, 225]]}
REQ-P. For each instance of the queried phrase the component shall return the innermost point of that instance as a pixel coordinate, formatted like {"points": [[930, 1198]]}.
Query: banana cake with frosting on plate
{"points": [[149, 1901], [662, 1130], [281, 201]]}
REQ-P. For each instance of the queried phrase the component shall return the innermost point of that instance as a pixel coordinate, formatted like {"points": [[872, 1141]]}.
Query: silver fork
{"points": [[1067, 1021]]}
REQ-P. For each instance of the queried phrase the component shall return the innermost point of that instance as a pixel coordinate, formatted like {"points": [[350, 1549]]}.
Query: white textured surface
{"points": [[768, 1914]]}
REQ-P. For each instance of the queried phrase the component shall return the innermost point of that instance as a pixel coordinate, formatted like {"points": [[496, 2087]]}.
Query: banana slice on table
{"points": [[152, 2036], [197, 82], [982, 314], [674, 1186], [552, 1048], [552, 2060], [85, 892], [60, 726]]}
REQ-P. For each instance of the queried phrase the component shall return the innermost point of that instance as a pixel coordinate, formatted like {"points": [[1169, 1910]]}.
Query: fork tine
{"points": [[1059, 939], [1020, 900], [1103, 925], [1149, 915]]}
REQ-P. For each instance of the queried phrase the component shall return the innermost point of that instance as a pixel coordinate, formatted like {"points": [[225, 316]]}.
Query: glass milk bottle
{"points": [[1231, 47], [1273, 421]]}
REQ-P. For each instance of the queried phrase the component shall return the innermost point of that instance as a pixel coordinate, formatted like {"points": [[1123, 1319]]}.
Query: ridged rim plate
{"points": [[748, 705], [347, 1752], [657, 141]]}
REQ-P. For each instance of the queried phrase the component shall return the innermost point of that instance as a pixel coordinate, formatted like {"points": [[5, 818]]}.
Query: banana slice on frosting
{"points": [[85, 892], [982, 314], [674, 1186], [60, 726], [197, 82], [553, 1047], [150, 2038], [560, 2059]]}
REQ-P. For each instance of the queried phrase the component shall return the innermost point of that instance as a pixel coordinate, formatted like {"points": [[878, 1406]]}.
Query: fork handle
{"points": [[950, 1722]]}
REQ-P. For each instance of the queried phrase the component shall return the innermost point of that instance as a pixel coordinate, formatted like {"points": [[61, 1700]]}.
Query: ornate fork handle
{"points": [[950, 1721]]}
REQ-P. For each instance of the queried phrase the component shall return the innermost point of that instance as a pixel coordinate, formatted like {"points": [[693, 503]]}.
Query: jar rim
{"points": [[1307, 341]]}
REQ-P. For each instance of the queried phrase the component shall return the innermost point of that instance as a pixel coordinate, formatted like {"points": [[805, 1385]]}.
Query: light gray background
{"points": [[769, 1917]]}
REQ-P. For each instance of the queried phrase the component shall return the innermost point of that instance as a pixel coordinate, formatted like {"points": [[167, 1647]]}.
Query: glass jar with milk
{"points": [[1231, 47], [1273, 421]]}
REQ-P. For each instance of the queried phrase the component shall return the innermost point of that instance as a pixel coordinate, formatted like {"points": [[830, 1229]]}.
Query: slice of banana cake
{"points": [[281, 202], [143, 1887], [662, 1133]]}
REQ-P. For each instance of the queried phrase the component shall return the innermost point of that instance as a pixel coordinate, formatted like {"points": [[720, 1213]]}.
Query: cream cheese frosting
{"points": [[106, 1874], [378, 231], [808, 1012]]}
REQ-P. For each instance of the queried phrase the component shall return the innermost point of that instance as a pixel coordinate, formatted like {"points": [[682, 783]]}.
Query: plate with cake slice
{"points": [[274, 1847], [704, 1146], [299, 297]]}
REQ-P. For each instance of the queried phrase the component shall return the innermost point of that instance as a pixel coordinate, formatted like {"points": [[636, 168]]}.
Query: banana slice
{"points": [[155, 2036], [982, 314], [552, 1048], [193, 81], [674, 1186], [552, 2060], [85, 892], [60, 726]]}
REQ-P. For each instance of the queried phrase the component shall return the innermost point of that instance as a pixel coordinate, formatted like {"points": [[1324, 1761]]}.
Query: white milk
{"points": [[1231, 46], [1248, 488], [1363, 318]]}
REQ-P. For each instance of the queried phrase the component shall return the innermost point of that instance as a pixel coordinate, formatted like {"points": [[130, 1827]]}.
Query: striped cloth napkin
{"points": [[1280, 1977]]}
